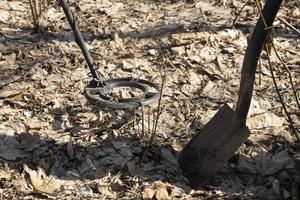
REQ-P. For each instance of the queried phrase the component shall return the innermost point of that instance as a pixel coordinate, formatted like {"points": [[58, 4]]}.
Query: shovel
{"points": [[215, 144]]}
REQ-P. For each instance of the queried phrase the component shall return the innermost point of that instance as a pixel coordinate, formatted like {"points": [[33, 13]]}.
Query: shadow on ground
{"points": [[91, 152]]}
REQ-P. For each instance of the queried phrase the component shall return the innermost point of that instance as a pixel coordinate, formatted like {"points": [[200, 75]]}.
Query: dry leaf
{"points": [[41, 182], [35, 124], [265, 120], [194, 78], [13, 89], [148, 193], [188, 38], [158, 189], [106, 190], [4, 15], [162, 194], [213, 90]]}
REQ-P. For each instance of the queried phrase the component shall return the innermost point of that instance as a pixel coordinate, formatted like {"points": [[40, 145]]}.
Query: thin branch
{"points": [[33, 12], [143, 122], [40, 8], [35, 3], [153, 133], [138, 127], [134, 120], [158, 111], [280, 97], [288, 71], [258, 5], [289, 25], [239, 13], [260, 71], [149, 117], [278, 56], [155, 121], [270, 39]]}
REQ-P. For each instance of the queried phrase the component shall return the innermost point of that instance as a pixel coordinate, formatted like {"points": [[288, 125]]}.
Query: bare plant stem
{"points": [[258, 5], [289, 25], [153, 133], [281, 99], [158, 111], [37, 14], [143, 122], [40, 7], [239, 13], [270, 39], [138, 128], [149, 117], [288, 71], [37, 7], [153, 122], [260, 71], [33, 11], [134, 120]]}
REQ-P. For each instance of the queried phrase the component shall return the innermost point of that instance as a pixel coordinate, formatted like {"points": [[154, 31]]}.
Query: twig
{"points": [[35, 3], [136, 123], [33, 11], [258, 5], [40, 8], [260, 71], [281, 99], [149, 117], [143, 120], [153, 133], [289, 25], [153, 122], [288, 71], [158, 111], [133, 120], [270, 39], [238, 14], [37, 8]]}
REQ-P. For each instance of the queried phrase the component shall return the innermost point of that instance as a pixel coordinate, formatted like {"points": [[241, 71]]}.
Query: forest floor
{"points": [[54, 144]]}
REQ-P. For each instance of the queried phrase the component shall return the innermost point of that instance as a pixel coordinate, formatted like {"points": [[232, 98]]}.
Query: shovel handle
{"points": [[252, 54]]}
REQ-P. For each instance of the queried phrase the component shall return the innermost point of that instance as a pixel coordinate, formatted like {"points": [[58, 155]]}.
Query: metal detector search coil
{"points": [[97, 90], [98, 95]]}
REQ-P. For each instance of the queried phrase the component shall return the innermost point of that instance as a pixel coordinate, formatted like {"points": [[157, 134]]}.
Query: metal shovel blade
{"points": [[211, 148]]}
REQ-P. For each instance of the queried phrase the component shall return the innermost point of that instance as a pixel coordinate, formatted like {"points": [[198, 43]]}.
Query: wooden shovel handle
{"points": [[252, 54]]}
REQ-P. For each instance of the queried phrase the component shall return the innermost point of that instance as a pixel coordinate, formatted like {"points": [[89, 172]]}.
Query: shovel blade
{"points": [[212, 147]]}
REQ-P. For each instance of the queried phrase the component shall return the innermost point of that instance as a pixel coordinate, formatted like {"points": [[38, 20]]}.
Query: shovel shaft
{"points": [[213, 146], [252, 54]]}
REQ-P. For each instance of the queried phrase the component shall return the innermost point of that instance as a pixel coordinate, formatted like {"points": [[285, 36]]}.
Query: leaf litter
{"points": [[54, 144]]}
